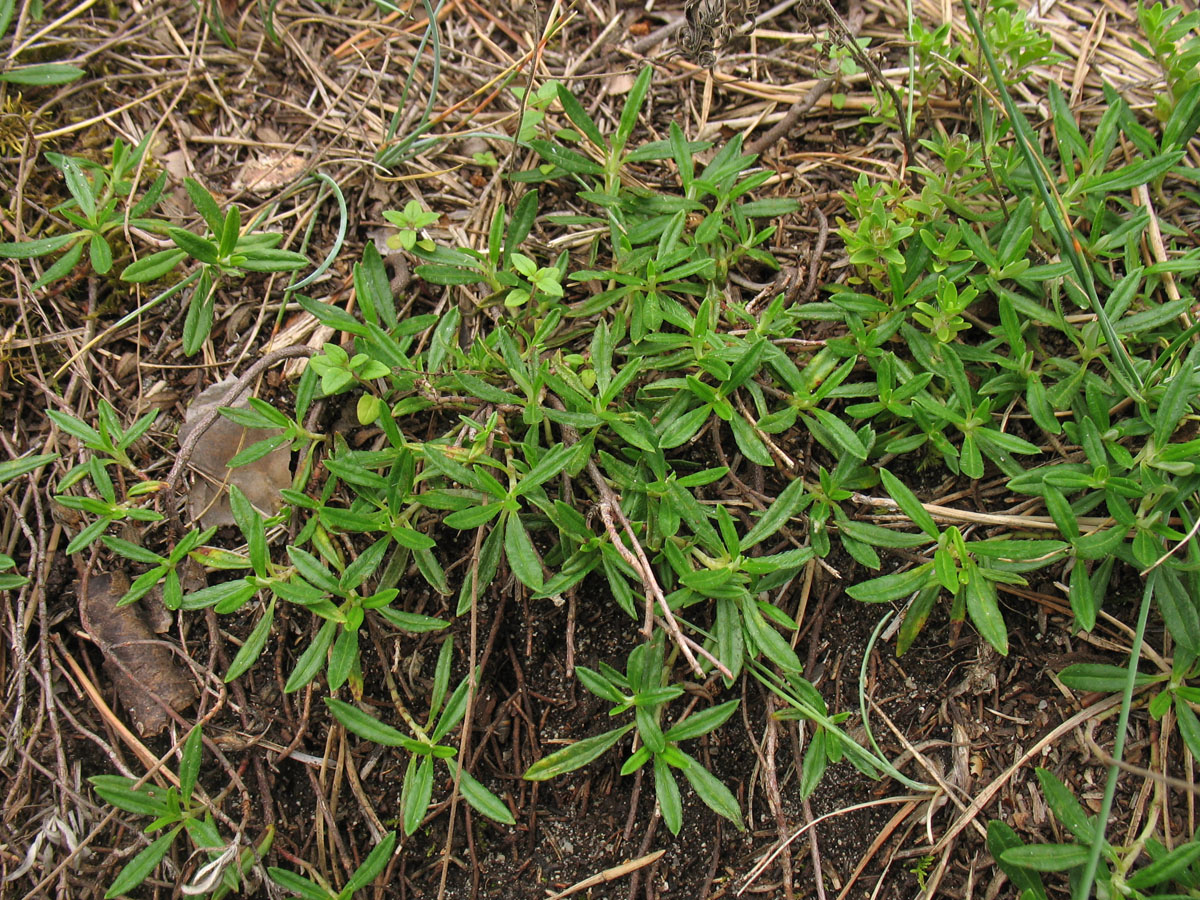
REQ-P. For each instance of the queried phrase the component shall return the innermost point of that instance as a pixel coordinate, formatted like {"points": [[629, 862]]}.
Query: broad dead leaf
{"points": [[139, 662], [269, 173], [260, 481]]}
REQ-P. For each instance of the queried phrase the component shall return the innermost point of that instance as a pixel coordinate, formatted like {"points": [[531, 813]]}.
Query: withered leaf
{"points": [[260, 481], [140, 664]]}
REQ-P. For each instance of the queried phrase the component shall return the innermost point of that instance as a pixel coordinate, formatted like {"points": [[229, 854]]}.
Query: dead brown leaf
{"points": [[260, 481], [138, 660]]}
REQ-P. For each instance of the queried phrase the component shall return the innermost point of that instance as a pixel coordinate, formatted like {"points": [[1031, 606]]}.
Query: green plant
{"points": [[360, 878], [93, 210], [1116, 877], [34, 74], [426, 745], [10, 469], [643, 689], [179, 809], [1173, 42], [226, 253]]}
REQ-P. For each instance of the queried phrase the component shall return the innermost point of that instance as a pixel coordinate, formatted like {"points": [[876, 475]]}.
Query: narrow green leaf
{"points": [[702, 722], [633, 105], [575, 756], [298, 884], [908, 503], [253, 647], [523, 559], [342, 658], [417, 792], [42, 74], [1046, 857], [312, 659], [480, 798], [715, 795], [1001, 837], [667, 792], [1065, 807], [1102, 677], [189, 764], [31, 249], [789, 501], [1189, 726], [375, 863], [887, 588], [984, 609], [80, 188], [365, 725], [139, 868]]}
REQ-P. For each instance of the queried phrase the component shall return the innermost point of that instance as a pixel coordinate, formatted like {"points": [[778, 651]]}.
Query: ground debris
{"points": [[138, 660], [260, 481]]}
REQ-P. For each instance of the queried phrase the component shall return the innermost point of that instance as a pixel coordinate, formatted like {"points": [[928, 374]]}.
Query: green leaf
{"points": [[575, 163], [667, 792], [984, 609], [417, 791], [599, 685], [230, 231], [189, 764], [312, 659], [790, 500], [480, 798], [31, 249], [343, 657], [1189, 726], [715, 795], [228, 593], [579, 117], [769, 641], [700, 723], [1046, 857], [101, 254], [749, 442], [523, 559], [313, 570], [80, 188], [1165, 868], [633, 105], [205, 204], [117, 790], [1178, 609], [887, 588], [456, 708], [575, 756], [298, 884], [42, 74], [270, 260], [1064, 806], [908, 503], [840, 433], [1103, 678], [1001, 837], [253, 647], [250, 522], [139, 868], [196, 247], [365, 725], [815, 762], [375, 863], [412, 622], [15, 468]]}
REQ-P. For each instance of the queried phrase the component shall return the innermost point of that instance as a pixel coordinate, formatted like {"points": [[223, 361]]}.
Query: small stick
{"points": [[610, 874]]}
